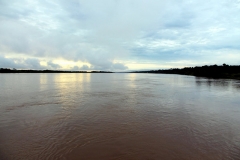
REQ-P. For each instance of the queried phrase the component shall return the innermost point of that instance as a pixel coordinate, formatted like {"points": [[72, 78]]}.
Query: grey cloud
{"points": [[83, 68], [32, 63], [103, 32], [29, 63], [106, 67], [7, 63], [119, 66], [13, 9], [53, 65]]}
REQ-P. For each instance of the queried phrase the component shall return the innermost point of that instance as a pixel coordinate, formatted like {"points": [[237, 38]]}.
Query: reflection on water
{"points": [[118, 116], [224, 84]]}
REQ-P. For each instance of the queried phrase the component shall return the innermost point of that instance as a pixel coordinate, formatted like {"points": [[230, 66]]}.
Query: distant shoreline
{"points": [[213, 71], [7, 70]]}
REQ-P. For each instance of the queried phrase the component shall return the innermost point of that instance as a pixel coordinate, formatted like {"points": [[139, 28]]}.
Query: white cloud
{"points": [[99, 33]]}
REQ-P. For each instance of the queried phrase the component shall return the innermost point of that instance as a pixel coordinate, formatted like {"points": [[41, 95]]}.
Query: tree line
{"points": [[212, 71], [8, 70]]}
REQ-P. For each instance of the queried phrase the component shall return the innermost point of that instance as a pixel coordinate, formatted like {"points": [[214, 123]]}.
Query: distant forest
{"points": [[212, 71], [8, 70]]}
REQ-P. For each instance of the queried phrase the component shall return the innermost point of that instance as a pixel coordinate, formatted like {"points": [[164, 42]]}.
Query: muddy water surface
{"points": [[118, 116]]}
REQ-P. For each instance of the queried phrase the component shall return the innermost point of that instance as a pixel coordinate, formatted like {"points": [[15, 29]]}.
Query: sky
{"points": [[118, 35]]}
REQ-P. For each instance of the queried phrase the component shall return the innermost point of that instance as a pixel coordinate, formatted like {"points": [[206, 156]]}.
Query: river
{"points": [[113, 116]]}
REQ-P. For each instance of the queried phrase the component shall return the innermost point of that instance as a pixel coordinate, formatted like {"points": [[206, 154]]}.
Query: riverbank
{"points": [[7, 70], [212, 71]]}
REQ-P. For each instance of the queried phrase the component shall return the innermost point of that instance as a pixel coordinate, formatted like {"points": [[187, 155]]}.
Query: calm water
{"points": [[118, 116]]}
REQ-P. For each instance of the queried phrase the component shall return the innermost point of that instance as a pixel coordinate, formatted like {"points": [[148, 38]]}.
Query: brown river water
{"points": [[118, 116]]}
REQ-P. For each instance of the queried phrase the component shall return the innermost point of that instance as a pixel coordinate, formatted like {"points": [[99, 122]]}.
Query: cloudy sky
{"points": [[118, 35]]}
